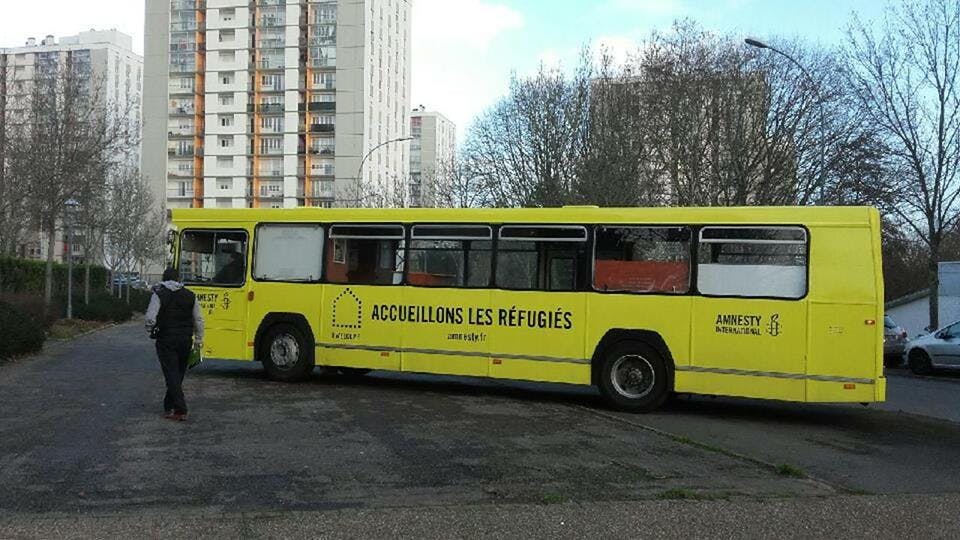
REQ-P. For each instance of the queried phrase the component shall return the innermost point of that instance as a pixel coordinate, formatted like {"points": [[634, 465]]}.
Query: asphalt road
{"points": [[81, 435], [936, 396]]}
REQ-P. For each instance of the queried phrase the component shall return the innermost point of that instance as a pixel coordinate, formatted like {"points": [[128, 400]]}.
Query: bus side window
{"points": [[768, 262], [642, 259], [450, 256], [213, 257], [541, 258], [365, 254]]}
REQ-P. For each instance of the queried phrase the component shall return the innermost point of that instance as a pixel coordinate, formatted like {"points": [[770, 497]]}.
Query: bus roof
{"points": [[767, 215]]}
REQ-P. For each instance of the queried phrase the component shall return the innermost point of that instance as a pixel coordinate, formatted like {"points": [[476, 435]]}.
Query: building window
{"points": [[225, 141], [226, 120], [225, 186], [226, 99], [226, 77], [224, 162], [227, 14], [228, 56], [642, 259], [228, 36], [768, 262]]}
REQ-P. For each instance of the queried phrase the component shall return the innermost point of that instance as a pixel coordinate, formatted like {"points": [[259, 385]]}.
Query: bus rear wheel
{"points": [[633, 377], [285, 353]]}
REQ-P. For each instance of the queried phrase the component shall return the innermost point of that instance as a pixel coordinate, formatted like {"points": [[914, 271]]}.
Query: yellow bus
{"points": [[774, 303]]}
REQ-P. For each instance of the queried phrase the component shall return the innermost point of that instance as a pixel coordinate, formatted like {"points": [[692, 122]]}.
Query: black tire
{"points": [[633, 377], [286, 353], [892, 361], [920, 363], [353, 372]]}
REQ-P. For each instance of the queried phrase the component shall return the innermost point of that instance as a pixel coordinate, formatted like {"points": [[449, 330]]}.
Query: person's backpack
{"points": [[163, 294]]}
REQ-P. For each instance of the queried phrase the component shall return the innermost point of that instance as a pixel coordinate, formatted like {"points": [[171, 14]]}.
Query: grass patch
{"points": [[553, 498], [791, 471], [63, 330], [679, 494]]}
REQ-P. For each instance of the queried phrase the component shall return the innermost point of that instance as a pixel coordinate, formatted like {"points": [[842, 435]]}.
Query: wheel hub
{"points": [[633, 376], [284, 351]]}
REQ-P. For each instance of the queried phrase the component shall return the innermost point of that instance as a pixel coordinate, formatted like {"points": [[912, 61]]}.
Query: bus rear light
{"points": [[870, 322], [385, 354], [849, 386], [497, 361]]}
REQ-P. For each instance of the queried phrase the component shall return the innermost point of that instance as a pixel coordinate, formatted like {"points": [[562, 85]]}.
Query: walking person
{"points": [[174, 319]]}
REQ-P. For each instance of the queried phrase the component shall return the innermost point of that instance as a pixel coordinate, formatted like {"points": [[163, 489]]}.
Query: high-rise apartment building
{"points": [[432, 155], [105, 59], [275, 103]]}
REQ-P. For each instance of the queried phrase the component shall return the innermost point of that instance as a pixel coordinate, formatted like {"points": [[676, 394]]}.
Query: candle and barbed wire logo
{"points": [[774, 327]]}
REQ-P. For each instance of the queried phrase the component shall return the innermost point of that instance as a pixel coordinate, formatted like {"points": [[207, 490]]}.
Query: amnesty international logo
{"points": [[774, 327], [347, 310]]}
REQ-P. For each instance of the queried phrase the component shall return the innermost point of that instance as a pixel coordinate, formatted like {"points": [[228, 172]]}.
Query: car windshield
{"points": [[888, 323]]}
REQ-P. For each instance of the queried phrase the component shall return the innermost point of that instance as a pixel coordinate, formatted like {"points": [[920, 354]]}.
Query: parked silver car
{"points": [[894, 343], [935, 350]]}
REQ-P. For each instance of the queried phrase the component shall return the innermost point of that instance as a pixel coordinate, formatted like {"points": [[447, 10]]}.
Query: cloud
{"points": [[650, 7], [620, 48], [471, 23], [454, 71]]}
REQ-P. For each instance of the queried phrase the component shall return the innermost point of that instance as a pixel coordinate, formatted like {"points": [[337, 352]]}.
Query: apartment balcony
{"points": [[183, 67], [184, 152], [186, 26], [322, 128], [187, 5], [325, 151], [272, 21], [271, 173], [269, 151], [323, 62], [268, 108], [182, 110], [177, 89], [180, 173], [271, 43], [181, 131], [325, 106], [180, 194], [272, 2], [272, 63]]}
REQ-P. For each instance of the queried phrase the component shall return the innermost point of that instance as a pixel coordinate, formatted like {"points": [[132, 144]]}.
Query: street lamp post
{"points": [[816, 89], [367, 156], [71, 205]]}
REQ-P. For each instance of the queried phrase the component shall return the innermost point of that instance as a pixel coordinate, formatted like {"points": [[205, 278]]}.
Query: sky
{"points": [[465, 51]]}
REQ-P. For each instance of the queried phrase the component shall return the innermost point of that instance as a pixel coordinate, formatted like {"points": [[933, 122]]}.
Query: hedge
{"points": [[19, 332], [27, 276], [32, 304], [103, 307]]}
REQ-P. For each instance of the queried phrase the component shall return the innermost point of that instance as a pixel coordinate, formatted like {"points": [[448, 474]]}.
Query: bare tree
{"points": [[63, 138], [136, 233], [466, 186], [529, 144], [905, 78]]}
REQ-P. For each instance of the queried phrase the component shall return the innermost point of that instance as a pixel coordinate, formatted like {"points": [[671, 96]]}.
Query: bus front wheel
{"points": [[285, 353], [633, 377]]}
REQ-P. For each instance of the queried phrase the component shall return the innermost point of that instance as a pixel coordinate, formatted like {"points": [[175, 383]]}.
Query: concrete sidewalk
{"points": [[914, 516]]}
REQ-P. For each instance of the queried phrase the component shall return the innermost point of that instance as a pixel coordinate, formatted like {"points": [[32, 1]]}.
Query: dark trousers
{"points": [[173, 353]]}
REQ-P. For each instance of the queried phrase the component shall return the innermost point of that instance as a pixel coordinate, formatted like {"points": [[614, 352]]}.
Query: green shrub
{"points": [[140, 300], [27, 276], [32, 304], [19, 332], [102, 307]]}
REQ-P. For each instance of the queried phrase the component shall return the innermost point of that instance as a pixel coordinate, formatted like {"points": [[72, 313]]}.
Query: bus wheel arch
{"points": [[289, 332], [642, 352]]}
